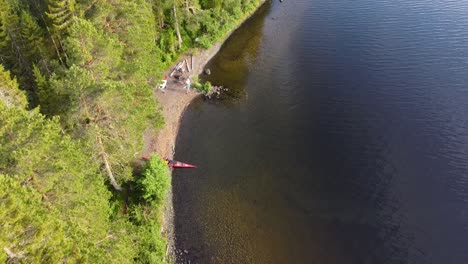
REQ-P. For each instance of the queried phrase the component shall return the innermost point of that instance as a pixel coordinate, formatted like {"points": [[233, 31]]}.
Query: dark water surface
{"points": [[347, 143]]}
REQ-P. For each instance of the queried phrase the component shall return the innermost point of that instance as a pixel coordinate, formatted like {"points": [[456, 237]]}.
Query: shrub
{"points": [[155, 181], [204, 41], [207, 87]]}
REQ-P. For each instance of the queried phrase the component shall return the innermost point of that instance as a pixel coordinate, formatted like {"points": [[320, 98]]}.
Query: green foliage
{"points": [[151, 244], [33, 36], [8, 20], [211, 4], [36, 232], [72, 212], [133, 24], [205, 88], [197, 86], [119, 114], [88, 48], [60, 14], [11, 47], [63, 93], [28, 229], [155, 181]]}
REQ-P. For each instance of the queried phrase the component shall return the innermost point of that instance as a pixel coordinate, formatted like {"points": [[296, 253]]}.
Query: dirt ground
{"points": [[173, 103]]}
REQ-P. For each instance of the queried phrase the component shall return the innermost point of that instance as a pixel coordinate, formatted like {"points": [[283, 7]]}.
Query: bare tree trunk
{"points": [[179, 38], [108, 167], [56, 48]]}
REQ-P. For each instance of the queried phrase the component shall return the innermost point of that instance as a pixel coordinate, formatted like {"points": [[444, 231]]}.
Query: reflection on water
{"points": [[348, 141]]}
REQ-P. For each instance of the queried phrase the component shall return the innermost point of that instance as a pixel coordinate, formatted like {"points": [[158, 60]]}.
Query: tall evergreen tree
{"points": [[5, 39], [11, 49], [33, 37], [61, 14]]}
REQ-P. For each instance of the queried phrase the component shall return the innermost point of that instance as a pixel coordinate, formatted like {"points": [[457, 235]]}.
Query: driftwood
{"points": [[172, 73], [187, 64], [176, 68], [179, 65]]}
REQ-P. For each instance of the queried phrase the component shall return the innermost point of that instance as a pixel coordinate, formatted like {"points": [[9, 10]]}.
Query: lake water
{"points": [[344, 138]]}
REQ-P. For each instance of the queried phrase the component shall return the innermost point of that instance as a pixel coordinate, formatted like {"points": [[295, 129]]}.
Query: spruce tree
{"points": [[14, 53], [60, 14], [10, 44], [5, 55], [5, 39], [33, 36]]}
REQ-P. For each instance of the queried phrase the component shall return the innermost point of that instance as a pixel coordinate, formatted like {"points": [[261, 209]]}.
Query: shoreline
{"points": [[173, 104]]}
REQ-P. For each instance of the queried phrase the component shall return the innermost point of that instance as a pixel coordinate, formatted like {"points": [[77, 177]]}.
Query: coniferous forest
{"points": [[76, 95]]}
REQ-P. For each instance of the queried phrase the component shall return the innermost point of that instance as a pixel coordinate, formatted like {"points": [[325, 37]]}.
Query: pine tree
{"points": [[91, 49], [14, 53], [47, 98], [4, 35], [10, 44], [134, 26], [5, 55], [33, 36], [30, 232], [60, 14]]}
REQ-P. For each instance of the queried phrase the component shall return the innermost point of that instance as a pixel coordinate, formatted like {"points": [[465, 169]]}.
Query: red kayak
{"points": [[174, 163], [178, 164]]}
